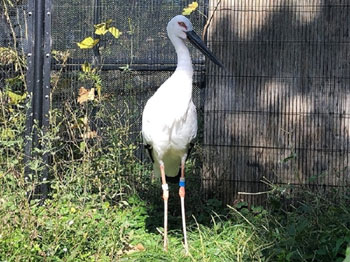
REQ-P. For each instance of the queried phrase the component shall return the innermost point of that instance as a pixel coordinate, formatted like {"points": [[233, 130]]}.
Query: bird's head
{"points": [[179, 26]]}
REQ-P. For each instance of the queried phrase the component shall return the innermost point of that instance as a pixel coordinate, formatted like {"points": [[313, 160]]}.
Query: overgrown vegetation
{"points": [[102, 206]]}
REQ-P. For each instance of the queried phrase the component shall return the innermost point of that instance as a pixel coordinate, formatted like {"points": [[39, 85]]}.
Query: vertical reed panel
{"points": [[282, 109]]}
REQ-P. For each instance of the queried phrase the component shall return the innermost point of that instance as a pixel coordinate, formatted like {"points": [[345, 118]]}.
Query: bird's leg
{"points": [[182, 198], [165, 198]]}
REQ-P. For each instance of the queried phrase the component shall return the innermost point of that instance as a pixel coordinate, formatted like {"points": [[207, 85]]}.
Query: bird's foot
{"points": [[165, 248]]}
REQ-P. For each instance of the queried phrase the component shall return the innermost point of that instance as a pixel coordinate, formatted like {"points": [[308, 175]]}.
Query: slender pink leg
{"points": [[182, 198], [165, 198]]}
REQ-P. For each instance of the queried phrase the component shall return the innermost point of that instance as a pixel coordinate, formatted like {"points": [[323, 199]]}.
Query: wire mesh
{"points": [[279, 114], [143, 47], [12, 37], [143, 23]]}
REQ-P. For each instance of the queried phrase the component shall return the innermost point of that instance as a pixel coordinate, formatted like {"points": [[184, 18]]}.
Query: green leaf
{"points": [[322, 251], [290, 157], [98, 89], [15, 99], [338, 244], [114, 31], [105, 205], [82, 146], [290, 255], [15, 82], [347, 253], [7, 133], [291, 230], [241, 204], [88, 42], [190, 8], [257, 209]]}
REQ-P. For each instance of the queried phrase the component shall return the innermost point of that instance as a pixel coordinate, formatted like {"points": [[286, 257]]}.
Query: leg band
{"points": [[182, 182]]}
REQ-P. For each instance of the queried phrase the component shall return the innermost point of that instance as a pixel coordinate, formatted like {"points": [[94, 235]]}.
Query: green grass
{"points": [[84, 228], [102, 204]]}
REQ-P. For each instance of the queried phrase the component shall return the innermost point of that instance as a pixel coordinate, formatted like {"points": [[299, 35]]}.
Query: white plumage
{"points": [[169, 121]]}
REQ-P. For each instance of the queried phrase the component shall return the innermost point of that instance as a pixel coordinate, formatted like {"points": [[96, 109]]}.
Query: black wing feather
{"points": [[149, 150]]}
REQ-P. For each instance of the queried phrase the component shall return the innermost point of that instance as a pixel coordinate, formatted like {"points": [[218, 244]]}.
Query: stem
{"points": [[5, 125], [205, 29], [14, 38]]}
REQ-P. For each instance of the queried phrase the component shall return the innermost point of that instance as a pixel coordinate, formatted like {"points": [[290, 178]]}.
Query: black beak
{"points": [[199, 44]]}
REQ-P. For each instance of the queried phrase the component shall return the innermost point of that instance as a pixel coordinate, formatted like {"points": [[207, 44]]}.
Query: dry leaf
{"points": [[14, 98], [88, 42], [114, 31], [131, 249], [89, 135], [102, 28], [86, 67], [85, 95], [8, 56], [139, 247], [84, 120], [190, 8]]}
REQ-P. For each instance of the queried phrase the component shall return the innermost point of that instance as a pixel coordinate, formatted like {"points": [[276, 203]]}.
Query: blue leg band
{"points": [[182, 182]]}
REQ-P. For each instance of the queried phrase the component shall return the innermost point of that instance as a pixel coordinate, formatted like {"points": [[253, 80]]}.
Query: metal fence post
{"points": [[30, 83], [46, 93], [38, 81]]}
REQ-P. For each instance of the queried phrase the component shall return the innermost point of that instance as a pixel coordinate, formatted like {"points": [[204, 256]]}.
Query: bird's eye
{"points": [[182, 24]]}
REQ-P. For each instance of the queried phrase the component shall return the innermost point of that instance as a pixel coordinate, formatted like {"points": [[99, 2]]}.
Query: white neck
{"points": [[184, 62]]}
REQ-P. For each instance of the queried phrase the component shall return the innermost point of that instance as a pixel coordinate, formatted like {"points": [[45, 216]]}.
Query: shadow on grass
{"points": [[303, 226], [197, 210]]}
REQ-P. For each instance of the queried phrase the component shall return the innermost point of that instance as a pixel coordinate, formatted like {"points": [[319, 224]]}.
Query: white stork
{"points": [[169, 121]]}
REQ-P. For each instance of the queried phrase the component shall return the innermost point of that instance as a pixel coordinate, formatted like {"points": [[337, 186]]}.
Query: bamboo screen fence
{"points": [[281, 113]]}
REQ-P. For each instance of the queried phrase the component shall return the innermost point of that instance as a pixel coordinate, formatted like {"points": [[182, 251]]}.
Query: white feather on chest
{"points": [[170, 118]]}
